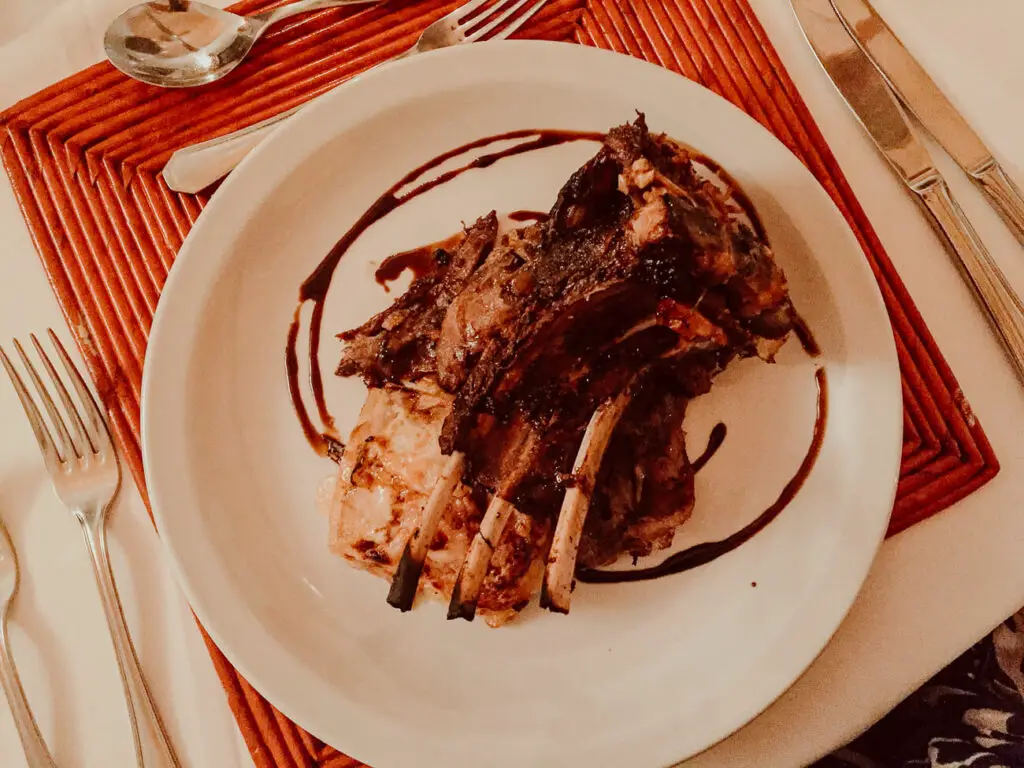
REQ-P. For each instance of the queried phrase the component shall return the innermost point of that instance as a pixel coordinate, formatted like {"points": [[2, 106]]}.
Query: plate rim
{"points": [[231, 206]]}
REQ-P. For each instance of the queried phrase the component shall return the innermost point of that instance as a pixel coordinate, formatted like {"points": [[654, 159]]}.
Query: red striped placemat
{"points": [[84, 158]]}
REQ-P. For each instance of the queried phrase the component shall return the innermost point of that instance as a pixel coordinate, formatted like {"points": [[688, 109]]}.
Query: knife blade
{"points": [[866, 92], [919, 93]]}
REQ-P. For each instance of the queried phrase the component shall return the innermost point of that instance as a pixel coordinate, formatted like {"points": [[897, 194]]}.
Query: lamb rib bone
{"points": [[405, 581], [556, 591], [478, 558], [474, 567]]}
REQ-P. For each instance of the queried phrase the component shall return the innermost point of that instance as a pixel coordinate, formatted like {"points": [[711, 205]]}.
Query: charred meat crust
{"points": [[400, 343], [633, 226]]}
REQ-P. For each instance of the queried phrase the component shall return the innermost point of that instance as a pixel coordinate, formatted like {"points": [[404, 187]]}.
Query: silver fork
{"points": [[86, 475], [196, 167], [36, 753]]}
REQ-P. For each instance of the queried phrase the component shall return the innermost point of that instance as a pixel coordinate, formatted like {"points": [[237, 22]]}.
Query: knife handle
{"points": [[1004, 194], [192, 169], [993, 292]]}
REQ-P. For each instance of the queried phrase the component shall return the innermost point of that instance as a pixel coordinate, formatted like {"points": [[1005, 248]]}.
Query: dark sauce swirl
{"points": [[420, 261], [804, 335], [528, 216], [715, 440]]}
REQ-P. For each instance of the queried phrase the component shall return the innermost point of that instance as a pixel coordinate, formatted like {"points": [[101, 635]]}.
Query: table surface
{"points": [[932, 592]]}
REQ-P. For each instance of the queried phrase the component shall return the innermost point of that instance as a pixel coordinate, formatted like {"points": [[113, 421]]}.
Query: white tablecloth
{"points": [[932, 592]]}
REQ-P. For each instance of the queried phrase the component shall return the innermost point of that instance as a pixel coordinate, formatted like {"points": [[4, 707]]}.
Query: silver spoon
{"points": [[184, 43]]}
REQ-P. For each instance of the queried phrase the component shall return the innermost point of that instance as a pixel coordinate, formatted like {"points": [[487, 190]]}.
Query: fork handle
{"points": [[152, 746], [36, 753]]}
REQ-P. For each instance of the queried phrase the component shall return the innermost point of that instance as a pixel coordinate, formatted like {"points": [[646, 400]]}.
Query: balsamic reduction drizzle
{"points": [[528, 216], [804, 335], [420, 261], [701, 554], [715, 440]]}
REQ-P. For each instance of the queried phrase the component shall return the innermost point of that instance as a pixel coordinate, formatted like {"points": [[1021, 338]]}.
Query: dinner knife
{"points": [[922, 97], [868, 95]]}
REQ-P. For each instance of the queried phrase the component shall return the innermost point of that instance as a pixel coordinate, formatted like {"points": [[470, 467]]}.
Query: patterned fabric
{"points": [[970, 715]]}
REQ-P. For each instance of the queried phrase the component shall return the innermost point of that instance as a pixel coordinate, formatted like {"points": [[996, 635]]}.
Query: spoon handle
{"points": [[303, 6]]}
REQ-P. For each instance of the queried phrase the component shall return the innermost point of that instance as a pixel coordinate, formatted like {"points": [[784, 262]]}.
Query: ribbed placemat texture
{"points": [[84, 158]]}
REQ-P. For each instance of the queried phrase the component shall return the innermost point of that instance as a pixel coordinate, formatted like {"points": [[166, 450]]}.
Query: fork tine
{"points": [[51, 455], [82, 439], [99, 435], [514, 25], [505, 12], [463, 10], [67, 446]]}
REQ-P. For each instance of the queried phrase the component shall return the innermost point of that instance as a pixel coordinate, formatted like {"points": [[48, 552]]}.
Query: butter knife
{"points": [[868, 95], [922, 97]]}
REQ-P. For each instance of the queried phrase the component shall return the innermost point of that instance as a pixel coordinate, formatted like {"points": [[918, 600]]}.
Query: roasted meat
{"points": [[634, 226], [565, 353]]}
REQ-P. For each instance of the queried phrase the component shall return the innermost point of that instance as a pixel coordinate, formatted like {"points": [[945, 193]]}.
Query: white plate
{"points": [[639, 674]]}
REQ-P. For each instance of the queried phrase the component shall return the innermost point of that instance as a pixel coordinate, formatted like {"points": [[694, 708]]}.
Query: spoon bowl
{"points": [[185, 43]]}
